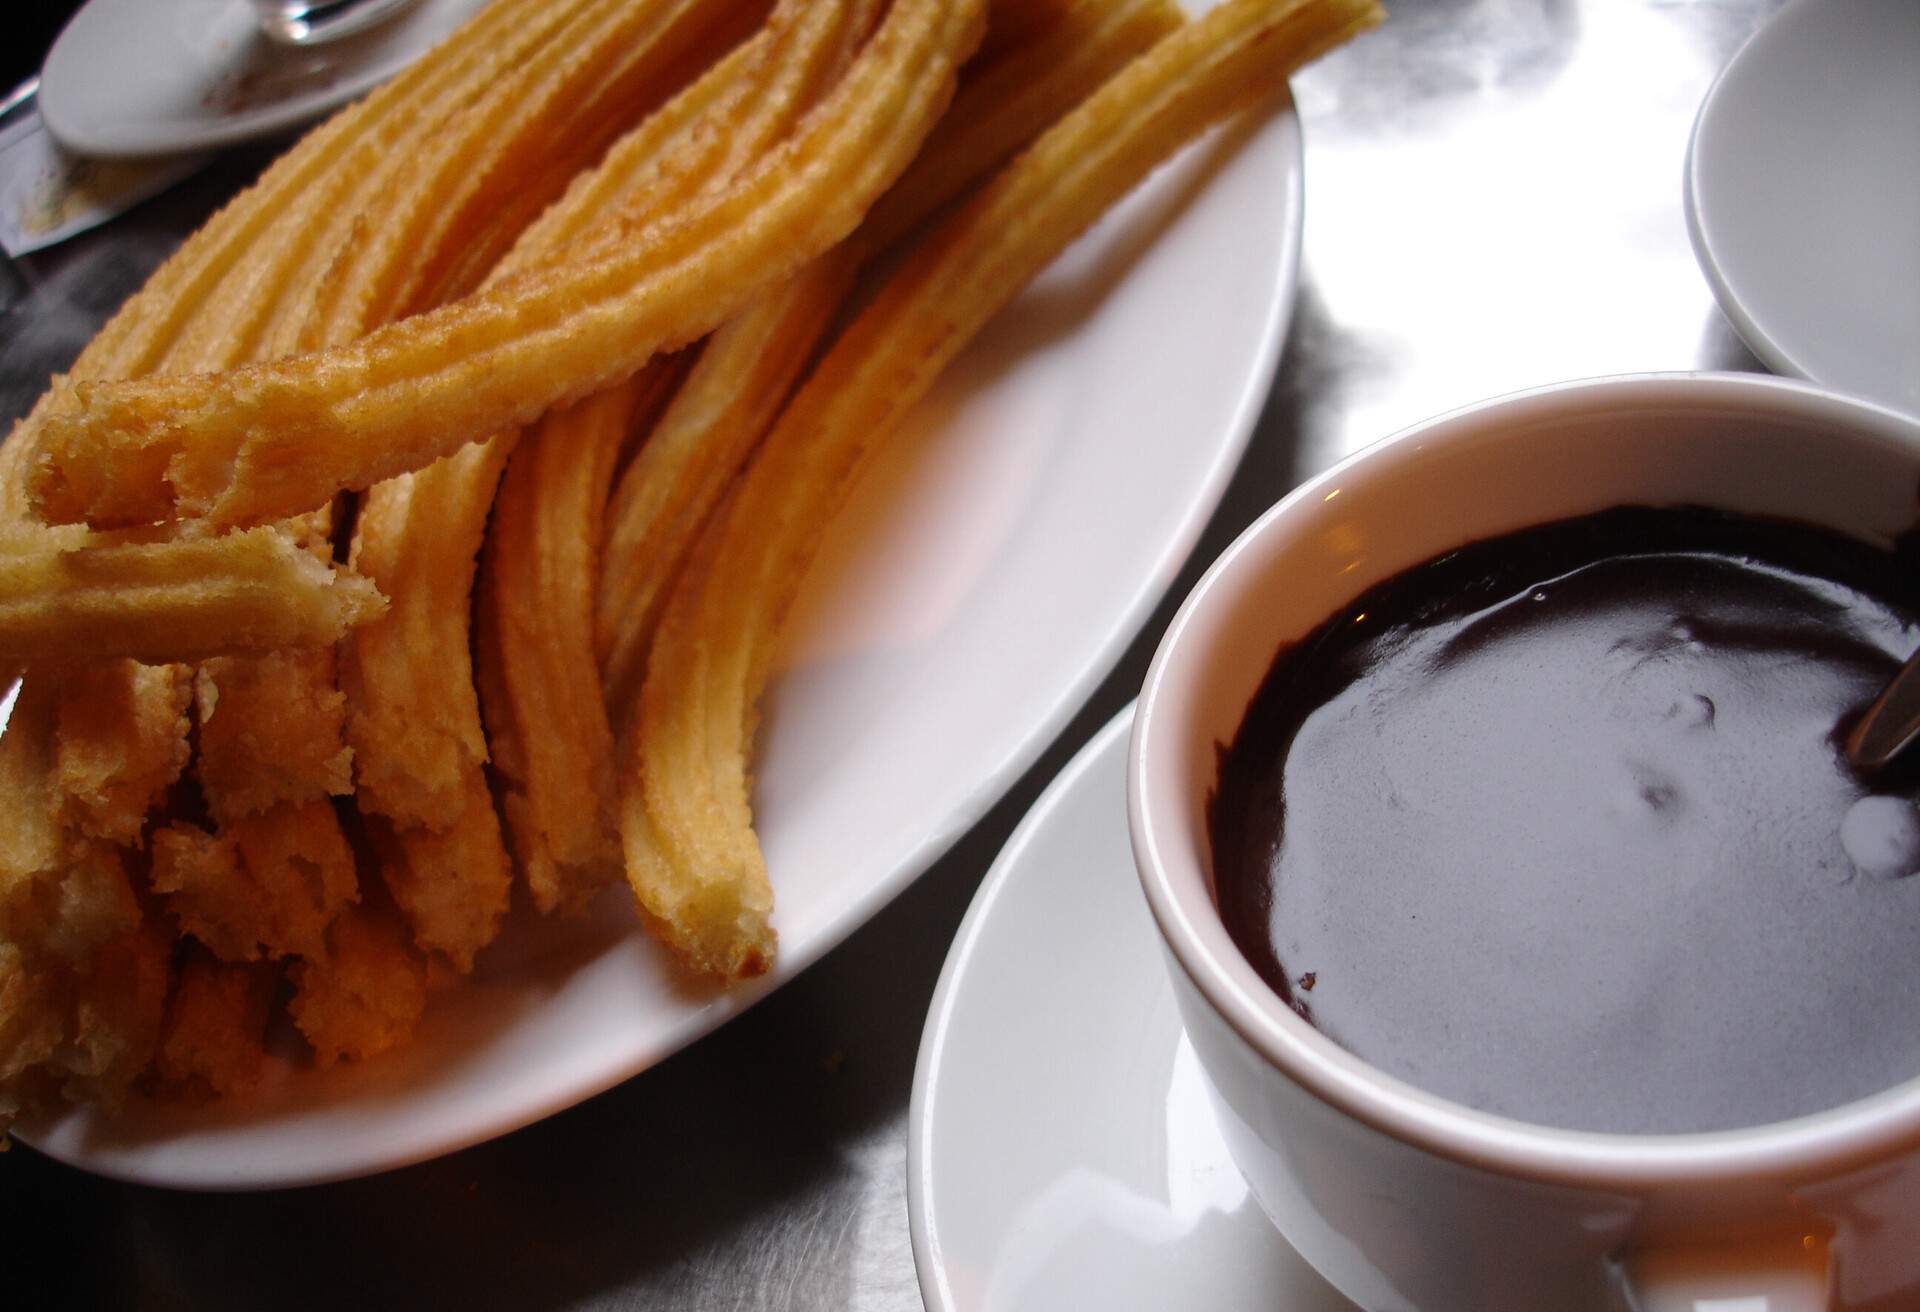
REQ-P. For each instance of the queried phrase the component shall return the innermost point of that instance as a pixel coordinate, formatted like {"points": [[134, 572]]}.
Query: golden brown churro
{"points": [[686, 823], [267, 885], [366, 992], [552, 743], [276, 439], [546, 718], [748, 367], [211, 1038], [172, 600], [736, 387], [415, 724], [122, 744]]}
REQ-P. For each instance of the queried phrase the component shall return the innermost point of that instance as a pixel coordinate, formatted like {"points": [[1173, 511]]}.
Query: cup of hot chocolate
{"points": [[1539, 945]]}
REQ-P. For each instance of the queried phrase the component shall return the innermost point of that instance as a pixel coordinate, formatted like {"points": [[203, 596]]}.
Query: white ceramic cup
{"points": [[1402, 1199]]}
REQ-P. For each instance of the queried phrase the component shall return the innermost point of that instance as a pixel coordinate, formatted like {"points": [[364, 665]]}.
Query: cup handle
{"points": [[1778, 1274]]}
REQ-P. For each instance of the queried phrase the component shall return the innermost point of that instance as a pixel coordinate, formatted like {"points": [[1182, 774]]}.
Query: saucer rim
{"points": [[929, 1265]]}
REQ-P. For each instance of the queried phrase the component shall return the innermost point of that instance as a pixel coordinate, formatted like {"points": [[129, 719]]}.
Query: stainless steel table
{"points": [[1493, 202]]}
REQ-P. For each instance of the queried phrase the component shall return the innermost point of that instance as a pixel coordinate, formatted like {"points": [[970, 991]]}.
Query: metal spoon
{"points": [[20, 97], [310, 22], [1890, 723]]}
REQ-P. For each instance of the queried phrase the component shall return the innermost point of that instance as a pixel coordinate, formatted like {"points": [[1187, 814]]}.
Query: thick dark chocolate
{"points": [[1557, 825]]}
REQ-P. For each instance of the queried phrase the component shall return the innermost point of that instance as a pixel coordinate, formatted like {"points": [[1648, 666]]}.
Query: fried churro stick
{"points": [[168, 601], [415, 722], [546, 719], [61, 894], [451, 884], [747, 368], [267, 885], [271, 731], [541, 674], [213, 1036], [466, 195], [692, 857], [366, 993], [122, 744], [743, 374], [271, 440], [552, 743]]}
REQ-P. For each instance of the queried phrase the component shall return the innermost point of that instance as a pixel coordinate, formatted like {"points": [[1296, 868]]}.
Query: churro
{"points": [[557, 793], [177, 600], [213, 1034], [547, 723], [686, 822], [749, 365], [270, 731], [415, 723], [122, 742], [269, 440], [365, 993], [267, 885], [451, 884]]}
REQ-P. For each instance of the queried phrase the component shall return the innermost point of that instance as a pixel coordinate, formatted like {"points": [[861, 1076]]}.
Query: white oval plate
{"points": [[1061, 1146], [1803, 195], [152, 77], [991, 569]]}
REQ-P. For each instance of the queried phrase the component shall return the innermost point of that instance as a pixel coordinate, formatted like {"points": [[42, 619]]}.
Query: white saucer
{"points": [[1062, 1151], [1803, 195], [150, 77]]}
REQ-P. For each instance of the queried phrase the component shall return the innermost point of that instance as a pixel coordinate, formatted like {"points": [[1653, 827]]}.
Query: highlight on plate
{"points": [[426, 523]]}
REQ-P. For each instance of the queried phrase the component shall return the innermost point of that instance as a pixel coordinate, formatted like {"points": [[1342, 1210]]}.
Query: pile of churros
{"points": [[426, 524]]}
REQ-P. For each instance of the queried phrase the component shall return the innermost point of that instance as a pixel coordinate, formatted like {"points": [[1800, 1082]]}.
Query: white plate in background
{"points": [[153, 77], [989, 572], [1803, 195]]}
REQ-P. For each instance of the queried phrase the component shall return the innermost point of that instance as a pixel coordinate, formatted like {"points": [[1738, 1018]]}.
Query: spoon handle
{"points": [[1890, 723]]}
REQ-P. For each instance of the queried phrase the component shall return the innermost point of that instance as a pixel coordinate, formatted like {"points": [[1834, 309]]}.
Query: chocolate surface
{"points": [[1557, 825]]}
